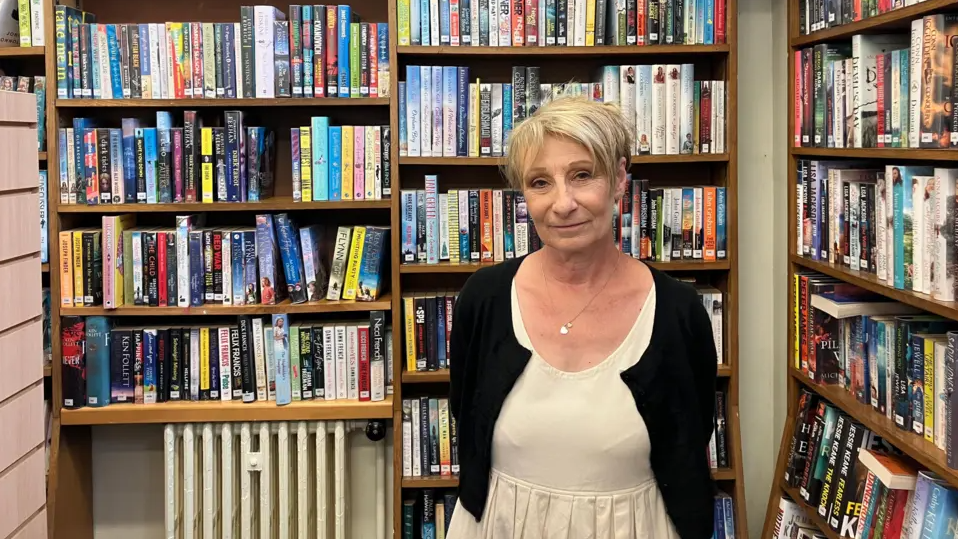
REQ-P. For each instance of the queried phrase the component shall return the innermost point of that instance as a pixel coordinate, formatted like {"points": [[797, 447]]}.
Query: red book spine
{"points": [[161, 262], [374, 60], [178, 165], [453, 22], [196, 51], [719, 21], [518, 23], [798, 99], [332, 52], [641, 23], [364, 390], [319, 51], [532, 22], [880, 83]]}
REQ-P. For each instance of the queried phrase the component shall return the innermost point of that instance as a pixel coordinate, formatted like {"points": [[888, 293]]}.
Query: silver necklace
{"points": [[564, 328]]}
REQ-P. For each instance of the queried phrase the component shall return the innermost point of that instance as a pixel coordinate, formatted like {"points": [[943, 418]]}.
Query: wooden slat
{"points": [[497, 161], [200, 412], [868, 281], [20, 52], [679, 265], [579, 51], [345, 306], [898, 154], [895, 19], [22, 491], [269, 204], [433, 481], [23, 424], [223, 103]]}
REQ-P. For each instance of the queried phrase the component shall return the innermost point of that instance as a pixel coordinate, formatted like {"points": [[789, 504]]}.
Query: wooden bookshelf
{"points": [[717, 169], [213, 411], [924, 453], [432, 481], [273, 204], [21, 52], [223, 103], [342, 306], [42, 156]]}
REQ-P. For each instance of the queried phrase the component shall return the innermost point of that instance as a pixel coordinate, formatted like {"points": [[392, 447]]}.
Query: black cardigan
{"points": [[673, 386]]}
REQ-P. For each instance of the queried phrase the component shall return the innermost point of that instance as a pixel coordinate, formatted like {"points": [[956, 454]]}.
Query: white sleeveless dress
{"points": [[570, 453]]}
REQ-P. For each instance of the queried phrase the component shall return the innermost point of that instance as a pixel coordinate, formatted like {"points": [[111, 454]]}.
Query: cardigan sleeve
{"points": [[460, 347], [704, 363]]}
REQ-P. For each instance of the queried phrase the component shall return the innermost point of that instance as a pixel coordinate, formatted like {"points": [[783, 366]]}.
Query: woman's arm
{"points": [[704, 363], [463, 325]]}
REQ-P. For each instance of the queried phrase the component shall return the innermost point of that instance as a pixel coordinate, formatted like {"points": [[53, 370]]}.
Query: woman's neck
{"points": [[579, 268]]}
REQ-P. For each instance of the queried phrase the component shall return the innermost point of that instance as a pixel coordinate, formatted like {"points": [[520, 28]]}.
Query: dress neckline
{"points": [[522, 336]]}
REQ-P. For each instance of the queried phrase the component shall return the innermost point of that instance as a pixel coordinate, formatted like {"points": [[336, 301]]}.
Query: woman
{"points": [[584, 380]]}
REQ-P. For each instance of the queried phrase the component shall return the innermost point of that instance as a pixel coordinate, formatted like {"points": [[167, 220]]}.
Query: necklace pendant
{"points": [[564, 330]]}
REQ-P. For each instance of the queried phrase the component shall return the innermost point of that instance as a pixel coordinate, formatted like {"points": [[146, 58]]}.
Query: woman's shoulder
{"points": [[488, 282]]}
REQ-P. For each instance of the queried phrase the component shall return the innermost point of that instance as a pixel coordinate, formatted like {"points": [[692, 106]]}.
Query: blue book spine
{"points": [[308, 50], [93, 49], [940, 511], [721, 235], [719, 518], [432, 219], [128, 127], [370, 269], [316, 277], [402, 118], [345, 17], [465, 22], [436, 100], [197, 271], [444, 22], [382, 35], [463, 225], [149, 366], [164, 156], [272, 288], [149, 145], [413, 105], [424, 35], [709, 23], [729, 517], [699, 23], [64, 163], [898, 222], [116, 166], [506, 115], [915, 396], [64, 85], [113, 46], [907, 229], [335, 163], [881, 365], [408, 209], [73, 53], [254, 153], [320, 142], [145, 54], [448, 113], [238, 261], [904, 63], [462, 113], [415, 37], [864, 335], [281, 359], [44, 233], [287, 238], [250, 268], [79, 172], [98, 336]]}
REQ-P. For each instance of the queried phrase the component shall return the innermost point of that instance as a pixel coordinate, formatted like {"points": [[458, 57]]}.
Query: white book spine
{"points": [[643, 110], [162, 57], [840, 101], [570, 23], [881, 226], [263, 34], [444, 226], [416, 437], [171, 491], [352, 359], [238, 80], [449, 94], [673, 93], [718, 128], [914, 83], [209, 62], [504, 23], [541, 28], [714, 119], [579, 40], [687, 104], [473, 146], [676, 225], [928, 234], [624, 83], [407, 438], [497, 120], [156, 76], [183, 227], [854, 245], [378, 162], [106, 85], [474, 27], [137, 269], [666, 210], [425, 111], [342, 369], [436, 101], [434, 22], [36, 23], [226, 251], [170, 60], [945, 252], [659, 110], [493, 22], [463, 213], [329, 362], [918, 232], [940, 426], [497, 236], [226, 366], [717, 309], [259, 359]]}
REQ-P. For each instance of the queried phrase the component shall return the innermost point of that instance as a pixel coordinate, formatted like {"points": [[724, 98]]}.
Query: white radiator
{"points": [[263, 480]]}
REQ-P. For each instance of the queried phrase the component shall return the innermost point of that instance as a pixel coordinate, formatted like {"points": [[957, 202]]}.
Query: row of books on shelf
{"points": [[815, 15], [897, 223], [228, 162], [36, 85], [427, 512], [430, 446], [250, 360], [887, 355], [548, 23], [443, 114], [871, 93], [857, 483], [317, 51], [27, 31], [192, 265]]}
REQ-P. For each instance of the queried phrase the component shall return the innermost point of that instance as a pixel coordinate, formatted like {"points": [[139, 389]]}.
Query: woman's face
{"points": [[571, 208]]}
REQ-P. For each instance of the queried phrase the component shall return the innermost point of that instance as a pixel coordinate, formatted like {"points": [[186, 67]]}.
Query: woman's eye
{"points": [[582, 175], [538, 182]]}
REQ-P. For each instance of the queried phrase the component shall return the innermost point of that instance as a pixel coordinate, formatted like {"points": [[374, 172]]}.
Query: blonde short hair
{"points": [[600, 128]]}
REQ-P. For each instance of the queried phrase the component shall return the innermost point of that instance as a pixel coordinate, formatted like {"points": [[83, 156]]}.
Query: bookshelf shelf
{"points": [[17, 52], [923, 451], [724, 371], [895, 19], [267, 205], [47, 370], [382, 304], [45, 268], [610, 50], [447, 267], [811, 511], [202, 411], [42, 156], [433, 481], [426, 377], [878, 153], [224, 103], [723, 474], [496, 161], [948, 309]]}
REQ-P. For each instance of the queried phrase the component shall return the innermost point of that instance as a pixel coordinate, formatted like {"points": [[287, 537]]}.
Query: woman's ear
{"points": [[621, 179]]}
